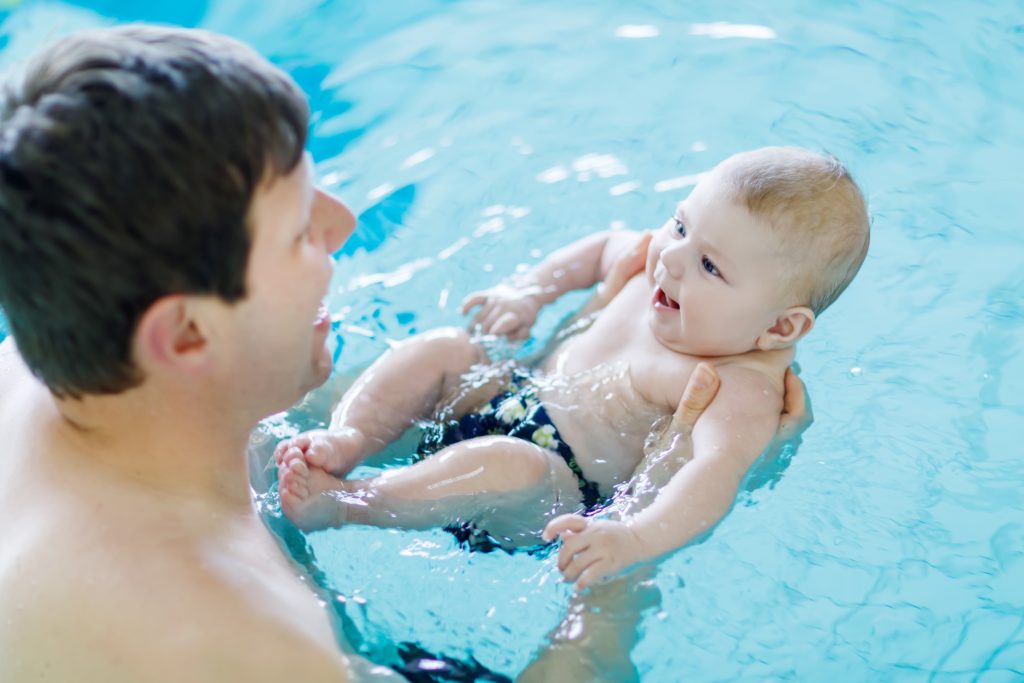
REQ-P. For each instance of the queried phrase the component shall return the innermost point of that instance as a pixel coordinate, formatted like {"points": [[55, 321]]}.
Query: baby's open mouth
{"points": [[662, 298]]}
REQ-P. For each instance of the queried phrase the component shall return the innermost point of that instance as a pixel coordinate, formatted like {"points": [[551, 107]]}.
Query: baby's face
{"points": [[716, 275]]}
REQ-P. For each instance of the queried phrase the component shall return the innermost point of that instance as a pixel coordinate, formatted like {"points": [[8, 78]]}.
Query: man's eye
{"points": [[680, 227], [706, 263]]}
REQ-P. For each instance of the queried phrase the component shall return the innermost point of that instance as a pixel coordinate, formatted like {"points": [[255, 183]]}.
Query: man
{"points": [[163, 256]]}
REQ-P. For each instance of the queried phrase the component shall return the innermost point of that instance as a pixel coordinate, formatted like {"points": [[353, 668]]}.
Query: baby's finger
{"points": [[700, 391], [595, 573], [506, 324], [474, 299], [572, 544], [520, 333], [580, 563], [489, 319], [559, 525]]}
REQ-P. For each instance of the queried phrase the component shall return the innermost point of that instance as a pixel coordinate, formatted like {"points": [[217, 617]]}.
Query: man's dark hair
{"points": [[129, 158]]}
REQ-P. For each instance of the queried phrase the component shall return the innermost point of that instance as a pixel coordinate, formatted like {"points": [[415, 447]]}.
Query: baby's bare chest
{"points": [[620, 363]]}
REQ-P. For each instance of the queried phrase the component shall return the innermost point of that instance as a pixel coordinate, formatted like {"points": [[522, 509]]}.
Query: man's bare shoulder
{"points": [[123, 615]]}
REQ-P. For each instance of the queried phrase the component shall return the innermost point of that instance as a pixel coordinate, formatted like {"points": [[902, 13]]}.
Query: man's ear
{"points": [[794, 323], [170, 336]]}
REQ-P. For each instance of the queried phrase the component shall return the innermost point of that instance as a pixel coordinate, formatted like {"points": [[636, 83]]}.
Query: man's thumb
{"points": [[700, 391]]}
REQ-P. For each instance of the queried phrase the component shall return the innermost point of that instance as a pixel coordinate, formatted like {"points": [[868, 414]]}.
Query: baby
{"points": [[735, 277]]}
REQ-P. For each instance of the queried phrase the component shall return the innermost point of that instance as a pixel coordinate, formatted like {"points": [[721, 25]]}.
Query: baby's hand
{"points": [[337, 451], [593, 549], [505, 310]]}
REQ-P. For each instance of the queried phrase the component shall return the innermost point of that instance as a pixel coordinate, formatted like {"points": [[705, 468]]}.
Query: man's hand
{"points": [[796, 411], [505, 310]]}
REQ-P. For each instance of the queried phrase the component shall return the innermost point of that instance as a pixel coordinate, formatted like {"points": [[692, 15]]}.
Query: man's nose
{"points": [[334, 220]]}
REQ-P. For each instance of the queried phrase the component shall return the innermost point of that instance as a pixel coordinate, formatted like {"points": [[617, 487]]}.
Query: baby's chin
{"points": [[696, 347]]}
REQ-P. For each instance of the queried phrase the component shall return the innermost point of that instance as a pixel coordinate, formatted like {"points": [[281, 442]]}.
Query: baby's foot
{"points": [[306, 494], [335, 451]]}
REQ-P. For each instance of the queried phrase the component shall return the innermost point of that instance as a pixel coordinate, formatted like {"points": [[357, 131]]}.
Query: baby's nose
{"points": [[672, 262]]}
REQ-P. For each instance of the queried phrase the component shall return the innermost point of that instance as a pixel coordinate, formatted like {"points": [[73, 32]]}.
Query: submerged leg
{"points": [[507, 486]]}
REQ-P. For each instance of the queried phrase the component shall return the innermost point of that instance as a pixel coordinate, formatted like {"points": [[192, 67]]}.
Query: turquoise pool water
{"points": [[475, 136]]}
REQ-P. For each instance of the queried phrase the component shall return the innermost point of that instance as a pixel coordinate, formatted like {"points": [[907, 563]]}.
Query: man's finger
{"points": [[700, 391], [796, 409], [563, 523], [795, 401]]}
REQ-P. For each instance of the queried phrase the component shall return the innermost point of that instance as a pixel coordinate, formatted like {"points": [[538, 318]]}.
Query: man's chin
{"points": [[322, 367]]}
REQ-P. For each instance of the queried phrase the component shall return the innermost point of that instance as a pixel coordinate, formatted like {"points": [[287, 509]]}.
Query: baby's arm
{"points": [[731, 435], [511, 308], [727, 440]]}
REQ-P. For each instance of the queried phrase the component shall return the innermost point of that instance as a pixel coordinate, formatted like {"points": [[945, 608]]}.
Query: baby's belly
{"points": [[605, 421]]}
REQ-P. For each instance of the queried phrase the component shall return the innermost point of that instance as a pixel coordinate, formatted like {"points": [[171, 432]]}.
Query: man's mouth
{"points": [[663, 299], [323, 318]]}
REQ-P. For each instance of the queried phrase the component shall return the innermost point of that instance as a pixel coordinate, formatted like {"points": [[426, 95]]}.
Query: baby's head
{"points": [[764, 243]]}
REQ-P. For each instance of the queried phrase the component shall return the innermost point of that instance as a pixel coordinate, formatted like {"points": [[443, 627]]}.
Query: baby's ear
{"points": [[790, 327]]}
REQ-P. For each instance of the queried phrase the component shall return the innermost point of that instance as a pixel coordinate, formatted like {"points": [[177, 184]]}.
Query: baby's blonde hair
{"points": [[816, 209]]}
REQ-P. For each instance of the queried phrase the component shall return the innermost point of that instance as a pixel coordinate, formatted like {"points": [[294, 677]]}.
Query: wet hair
{"points": [[129, 158], [815, 208]]}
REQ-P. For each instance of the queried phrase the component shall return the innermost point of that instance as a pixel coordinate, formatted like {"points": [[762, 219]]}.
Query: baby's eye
{"points": [[712, 269], [680, 227]]}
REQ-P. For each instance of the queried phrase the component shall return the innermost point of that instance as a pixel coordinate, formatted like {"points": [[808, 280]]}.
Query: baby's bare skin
{"points": [[607, 386], [712, 287]]}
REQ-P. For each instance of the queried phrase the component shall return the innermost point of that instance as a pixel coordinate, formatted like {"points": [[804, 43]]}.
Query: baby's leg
{"points": [[402, 386], [508, 486]]}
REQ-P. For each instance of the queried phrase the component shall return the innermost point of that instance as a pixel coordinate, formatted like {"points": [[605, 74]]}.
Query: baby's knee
{"points": [[514, 464], [454, 346]]}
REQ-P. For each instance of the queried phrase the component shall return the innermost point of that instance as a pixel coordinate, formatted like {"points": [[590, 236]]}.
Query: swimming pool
{"points": [[475, 136]]}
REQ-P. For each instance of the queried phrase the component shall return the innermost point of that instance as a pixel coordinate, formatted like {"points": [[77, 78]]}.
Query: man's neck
{"points": [[179, 445]]}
